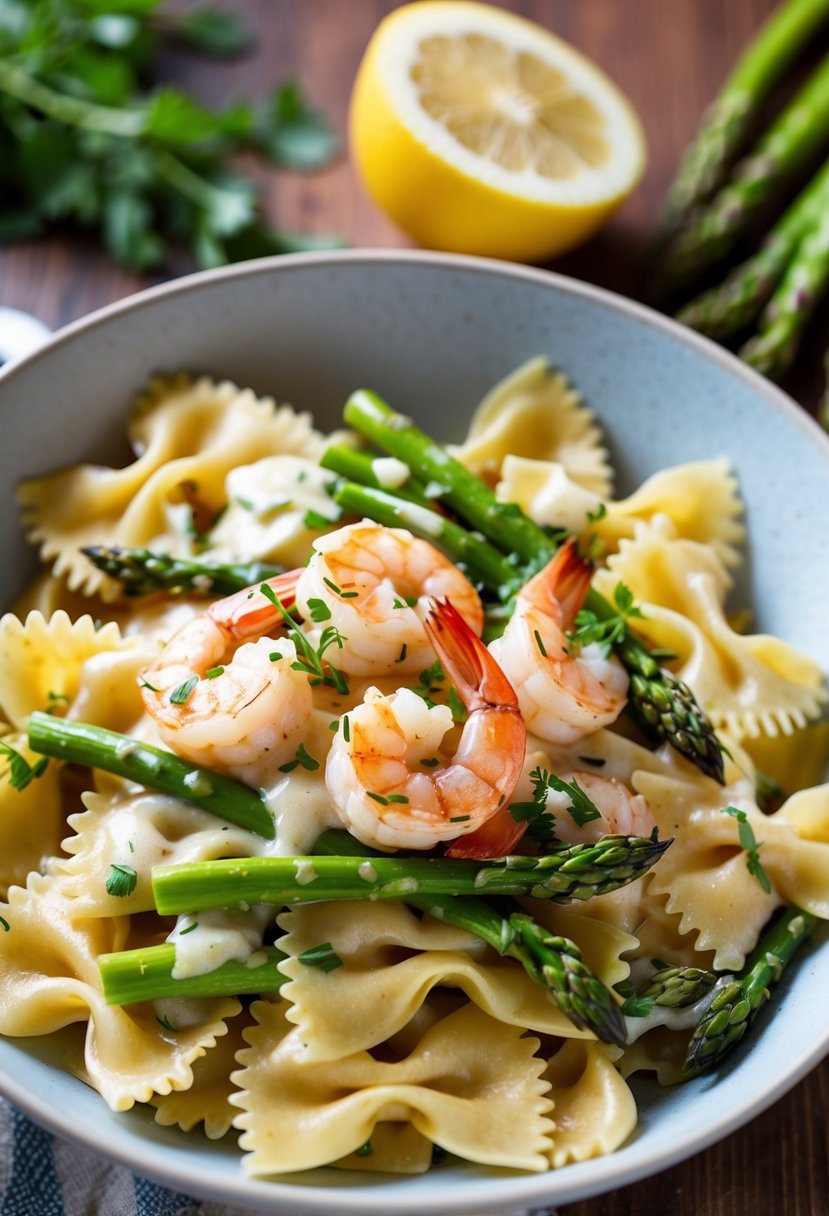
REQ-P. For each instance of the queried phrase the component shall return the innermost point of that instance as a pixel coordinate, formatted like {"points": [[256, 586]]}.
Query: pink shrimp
{"points": [[227, 701], [563, 696], [385, 775]]}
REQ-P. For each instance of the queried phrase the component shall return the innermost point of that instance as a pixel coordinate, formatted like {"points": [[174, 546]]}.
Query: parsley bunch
{"points": [[89, 140]]}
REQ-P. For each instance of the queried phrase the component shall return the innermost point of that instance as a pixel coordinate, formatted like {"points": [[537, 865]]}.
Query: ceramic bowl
{"points": [[431, 334]]}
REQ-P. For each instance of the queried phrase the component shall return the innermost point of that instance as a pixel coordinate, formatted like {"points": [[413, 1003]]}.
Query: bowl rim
{"points": [[588, 1178]]}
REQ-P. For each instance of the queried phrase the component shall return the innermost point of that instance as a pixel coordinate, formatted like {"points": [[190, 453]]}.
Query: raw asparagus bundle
{"points": [[779, 331], [736, 1003], [728, 121], [786, 149], [734, 304], [662, 705], [142, 571]]}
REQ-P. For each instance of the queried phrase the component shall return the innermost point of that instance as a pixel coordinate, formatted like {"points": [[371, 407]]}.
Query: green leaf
{"points": [[582, 809], [20, 772], [751, 846], [214, 31], [293, 133], [323, 956], [180, 694], [128, 231], [98, 76], [175, 118], [122, 880], [638, 1006]]}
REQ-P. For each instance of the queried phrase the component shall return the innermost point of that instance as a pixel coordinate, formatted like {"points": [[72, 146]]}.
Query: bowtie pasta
{"points": [[358, 834]]}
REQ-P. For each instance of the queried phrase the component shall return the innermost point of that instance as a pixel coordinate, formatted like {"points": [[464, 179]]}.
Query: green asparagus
{"points": [[773, 348], [734, 304], [728, 120], [82, 743], [663, 707], [735, 1005], [142, 571], [572, 873], [786, 149], [677, 987], [146, 974], [353, 464]]}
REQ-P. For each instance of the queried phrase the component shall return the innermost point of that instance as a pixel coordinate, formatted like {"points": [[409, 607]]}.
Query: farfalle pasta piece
{"points": [[660, 1051], [536, 412], [187, 435], [472, 1086], [601, 944], [207, 1100], [594, 1110], [705, 875], [43, 662], [391, 962], [141, 830], [49, 979], [394, 1148], [701, 499], [746, 684], [41, 802]]}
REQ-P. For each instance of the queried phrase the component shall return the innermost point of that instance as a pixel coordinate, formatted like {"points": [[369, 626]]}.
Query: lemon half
{"points": [[480, 132]]}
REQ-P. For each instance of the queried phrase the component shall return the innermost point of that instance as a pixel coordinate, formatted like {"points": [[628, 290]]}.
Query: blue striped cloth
{"points": [[41, 1175]]}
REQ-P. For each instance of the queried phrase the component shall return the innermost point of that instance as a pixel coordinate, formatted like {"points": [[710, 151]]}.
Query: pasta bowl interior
{"points": [[432, 335]]}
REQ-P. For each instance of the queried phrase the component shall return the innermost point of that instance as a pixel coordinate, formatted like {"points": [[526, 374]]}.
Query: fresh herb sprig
{"points": [[89, 139], [20, 772], [310, 657], [605, 631], [751, 845]]}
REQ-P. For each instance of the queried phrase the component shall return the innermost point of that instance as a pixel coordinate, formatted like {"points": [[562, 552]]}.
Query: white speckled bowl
{"points": [[432, 333]]}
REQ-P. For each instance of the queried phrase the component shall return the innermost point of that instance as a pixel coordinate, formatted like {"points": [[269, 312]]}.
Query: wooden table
{"points": [[669, 56]]}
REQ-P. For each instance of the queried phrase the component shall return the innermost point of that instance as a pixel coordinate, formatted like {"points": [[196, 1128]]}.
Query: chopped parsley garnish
{"points": [[20, 772], [213, 672], [189, 929], [179, 695], [539, 643], [323, 956], [346, 728], [122, 880], [315, 520], [166, 1023], [752, 847], [365, 1150], [541, 823], [385, 799], [404, 650], [429, 682], [593, 517], [319, 610], [459, 818], [344, 595], [607, 632], [5, 924], [56, 699], [581, 809], [303, 758]]}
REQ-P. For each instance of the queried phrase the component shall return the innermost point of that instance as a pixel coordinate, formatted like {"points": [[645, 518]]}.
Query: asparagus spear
{"points": [[81, 743], [143, 571], [727, 121], [575, 872], [663, 706], [352, 464], [774, 346], [147, 975], [737, 1002], [555, 963], [734, 304], [677, 987], [789, 145]]}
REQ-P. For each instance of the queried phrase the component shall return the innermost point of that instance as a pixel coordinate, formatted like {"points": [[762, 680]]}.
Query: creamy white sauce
{"points": [[220, 935], [390, 472]]}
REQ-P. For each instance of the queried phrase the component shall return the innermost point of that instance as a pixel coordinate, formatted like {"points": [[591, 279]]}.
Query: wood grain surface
{"points": [[669, 56]]}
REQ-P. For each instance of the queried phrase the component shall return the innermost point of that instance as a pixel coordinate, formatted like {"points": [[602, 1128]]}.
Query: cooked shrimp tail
{"points": [[561, 586], [386, 775]]}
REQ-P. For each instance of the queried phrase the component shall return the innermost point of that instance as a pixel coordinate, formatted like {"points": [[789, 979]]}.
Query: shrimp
{"points": [[622, 812], [384, 773], [230, 707], [375, 582], [564, 697]]}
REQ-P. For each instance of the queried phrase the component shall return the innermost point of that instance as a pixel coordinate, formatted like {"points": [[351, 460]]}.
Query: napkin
{"points": [[42, 1175]]}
